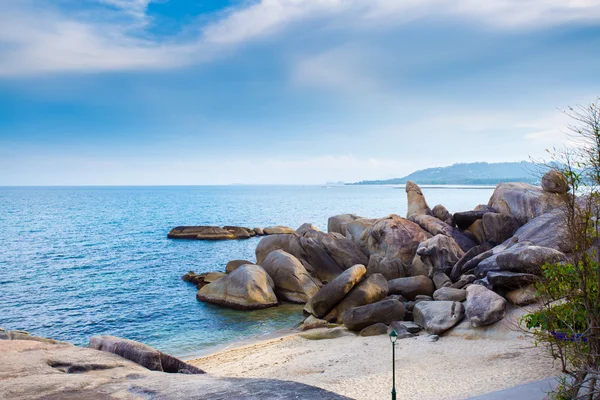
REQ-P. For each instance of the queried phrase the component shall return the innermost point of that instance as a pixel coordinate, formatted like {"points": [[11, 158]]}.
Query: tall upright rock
{"points": [[417, 205]]}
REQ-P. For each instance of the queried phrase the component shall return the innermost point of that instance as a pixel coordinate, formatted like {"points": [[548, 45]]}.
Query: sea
{"points": [[82, 261]]}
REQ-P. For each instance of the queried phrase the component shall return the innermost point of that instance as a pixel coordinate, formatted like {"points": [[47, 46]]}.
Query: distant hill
{"points": [[479, 173]]}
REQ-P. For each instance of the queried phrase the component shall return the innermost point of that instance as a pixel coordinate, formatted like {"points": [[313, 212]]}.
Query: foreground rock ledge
{"points": [[34, 370]]}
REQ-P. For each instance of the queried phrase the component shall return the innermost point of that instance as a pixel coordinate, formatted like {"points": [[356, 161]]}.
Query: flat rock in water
{"points": [[200, 233], [278, 230]]}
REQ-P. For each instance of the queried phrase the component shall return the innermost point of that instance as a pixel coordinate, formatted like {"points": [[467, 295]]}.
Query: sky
{"points": [[191, 92]]}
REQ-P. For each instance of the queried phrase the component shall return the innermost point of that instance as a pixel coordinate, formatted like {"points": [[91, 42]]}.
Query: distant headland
{"points": [[478, 173]]}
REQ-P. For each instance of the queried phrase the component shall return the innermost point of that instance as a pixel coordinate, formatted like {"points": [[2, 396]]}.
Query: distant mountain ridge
{"points": [[478, 173]]}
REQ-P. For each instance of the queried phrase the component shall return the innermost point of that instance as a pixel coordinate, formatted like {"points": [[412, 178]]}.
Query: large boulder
{"points": [[200, 233], [412, 287], [235, 264], [547, 230], [555, 182], [395, 238], [450, 294], [499, 227], [442, 213], [337, 223], [436, 227], [344, 252], [287, 243], [292, 282], [523, 201], [323, 266], [522, 296], [333, 292], [142, 354], [277, 230], [436, 317], [249, 287], [371, 290], [475, 253], [510, 280], [416, 201], [484, 307], [390, 268], [384, 311], [440, 252]]}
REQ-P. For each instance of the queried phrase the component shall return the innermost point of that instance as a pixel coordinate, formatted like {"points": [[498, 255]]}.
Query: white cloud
{"points": [[36, 39]]}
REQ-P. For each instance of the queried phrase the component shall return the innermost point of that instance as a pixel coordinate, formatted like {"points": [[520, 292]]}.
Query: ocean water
{"points": [[82, 261]]}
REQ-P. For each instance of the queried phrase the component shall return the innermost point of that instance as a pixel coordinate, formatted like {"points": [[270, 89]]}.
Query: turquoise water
{"points": [[82, 261]]}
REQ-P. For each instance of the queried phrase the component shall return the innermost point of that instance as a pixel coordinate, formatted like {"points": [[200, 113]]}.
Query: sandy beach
{"points": [[454, 367]]}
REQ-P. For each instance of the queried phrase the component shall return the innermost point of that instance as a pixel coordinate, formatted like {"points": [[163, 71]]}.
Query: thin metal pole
{"points": [[393, 371]]}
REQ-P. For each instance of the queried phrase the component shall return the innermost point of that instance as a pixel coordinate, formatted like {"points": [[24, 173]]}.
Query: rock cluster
{"points": [[432, 267]]}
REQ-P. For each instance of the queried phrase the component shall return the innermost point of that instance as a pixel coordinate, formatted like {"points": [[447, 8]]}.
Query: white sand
{"points": [[360, 367]]}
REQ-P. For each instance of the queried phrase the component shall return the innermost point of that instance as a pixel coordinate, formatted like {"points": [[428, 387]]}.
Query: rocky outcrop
{"points": [[442, 213], [385, 311], [200, 233], [521, 257], [333, 292], [395, 238], [416, 201], [390, 268], [292, 282], [483, 306], [436, 227], [436, 317], [370, 290], [142, 354], [278, 230], [547, 230], [249, 287], [554, 182], [344, 252], [523, 201], [412, 286], [34, 371]]}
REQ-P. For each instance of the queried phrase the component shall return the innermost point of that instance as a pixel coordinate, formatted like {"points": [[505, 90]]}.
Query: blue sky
{"points": [[284, 91]]}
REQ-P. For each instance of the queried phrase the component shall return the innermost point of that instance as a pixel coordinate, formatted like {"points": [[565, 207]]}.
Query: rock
{"points": [[412, 286], [288, 243], [411, 326], [240, 232], [390, 268], [278, 230], [436, 317], [189, 277], [22, 335], [302, 229], [416, 201], [374, 330], [384, 311], [423, 297], [356, 228], [478, 231], [200, 233], [400, 329], [466, 218], [313, 323], [398, 297], [142, 354], [547, 230], [333, 292], [323, 334], [459, 268], [418, 267], [395, 238], [499, 227], [337, 223], [523, 201], [463, 281], [440, 252], [436, 227], [33, 370], [441, 213], [525, 258], [235, 264], [554, 182], [344, 252], [484, 307], [522, 296], [510, 280], [292, 282], [371, 290], [432, 338], [450, 294], [247, 288], [324, 266], [441, 280]]}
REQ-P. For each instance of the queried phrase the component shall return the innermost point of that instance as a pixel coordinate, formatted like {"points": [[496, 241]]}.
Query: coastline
{"points": [[455, 367]]}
